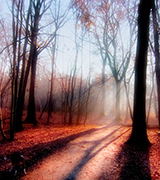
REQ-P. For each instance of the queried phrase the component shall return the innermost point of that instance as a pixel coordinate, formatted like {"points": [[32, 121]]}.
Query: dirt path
{"points": [[88, 157], [91, 152]]}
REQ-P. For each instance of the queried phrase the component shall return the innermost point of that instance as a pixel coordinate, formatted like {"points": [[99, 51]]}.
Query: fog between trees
{"points": [[74, 57]]}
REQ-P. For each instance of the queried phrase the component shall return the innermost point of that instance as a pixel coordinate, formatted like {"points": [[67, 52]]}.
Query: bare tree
{"points": [[127, 90], [156, 51], [3, 88], [16, 30], [38, 9], [103, 20], [39, 43], [139, 134], [108, 44], [59, 19], [24, 73]]}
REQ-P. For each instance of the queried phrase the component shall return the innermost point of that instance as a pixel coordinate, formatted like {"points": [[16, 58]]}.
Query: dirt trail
{"points": [[89, 157], [91, 152]]}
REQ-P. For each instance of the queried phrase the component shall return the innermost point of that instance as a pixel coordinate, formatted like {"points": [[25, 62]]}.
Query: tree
{"points": [[39, 7], [73, 77], [50, 105], [14, 54], [25, 69], [111, 46], [4, 83], [59, 20], [17, 32], [40, 40], [139, 133], [156, 52], [104, 21]]}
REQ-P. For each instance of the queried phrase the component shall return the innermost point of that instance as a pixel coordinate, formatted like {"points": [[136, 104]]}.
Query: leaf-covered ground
{"points": [[91, 152]]}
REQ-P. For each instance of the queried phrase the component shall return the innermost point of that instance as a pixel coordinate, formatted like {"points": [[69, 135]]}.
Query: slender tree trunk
{"points": [[14, 80], [87, 101], [128, 106], [118, 84], [50, 105], [139, 133], [24, 74], [18, 124], [73, 78], [71, 101], [1, 117], [66, 105], [79, 101], [155, 104], [157, 55], [102, 113]]}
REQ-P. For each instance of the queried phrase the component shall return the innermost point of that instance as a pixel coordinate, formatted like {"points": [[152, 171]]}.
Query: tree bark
{"points": [[24, 75], [118, 84], [102, 113], [139, 132], [13, 68], [50, 104], [157, 55], [31, 114]]}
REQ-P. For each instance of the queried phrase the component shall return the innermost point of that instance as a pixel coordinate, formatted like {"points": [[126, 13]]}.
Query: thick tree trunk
{"points": [[139, 134], [31, 115], [157, 56], [21, 95]]}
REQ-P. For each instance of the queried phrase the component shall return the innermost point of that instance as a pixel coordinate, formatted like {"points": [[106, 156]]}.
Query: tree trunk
{"points": [[1, 118], [118, 84], [31, 115], [155, 104], [102, 113], [73, 78], [139, 134], [24, 76], [71, 101], [50, 104], [21, 95], [157, 56], [13, 69], [18, 125], [79, 101]]}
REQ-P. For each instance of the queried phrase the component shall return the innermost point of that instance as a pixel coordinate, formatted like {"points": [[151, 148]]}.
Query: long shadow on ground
{"points": [[41, 151], [89, 155], [36, 153], [132, 163]]}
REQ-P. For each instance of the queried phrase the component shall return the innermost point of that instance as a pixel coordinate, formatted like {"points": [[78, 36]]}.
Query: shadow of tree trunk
{"points": [[89, 155], [133, 163]]}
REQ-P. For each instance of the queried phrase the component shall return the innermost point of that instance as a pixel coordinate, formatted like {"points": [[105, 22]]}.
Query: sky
{"points": [[88, 56]]}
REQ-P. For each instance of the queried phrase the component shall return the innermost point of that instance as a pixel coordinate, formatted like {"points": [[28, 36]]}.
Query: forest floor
{"points": [[91, 152]]}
